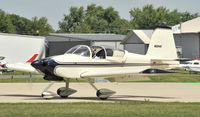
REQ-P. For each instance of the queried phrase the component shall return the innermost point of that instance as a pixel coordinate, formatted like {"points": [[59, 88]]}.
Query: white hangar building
{"points": [[186, 35], [20, 48]]}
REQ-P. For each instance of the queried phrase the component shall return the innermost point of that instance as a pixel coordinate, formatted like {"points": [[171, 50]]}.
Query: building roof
{"points": [[85, 37], [144, 35], [191, 26], [26, 36]]}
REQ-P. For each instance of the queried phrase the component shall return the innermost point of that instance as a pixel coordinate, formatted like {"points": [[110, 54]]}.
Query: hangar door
{"points": [[136, 48], [57, 48]]}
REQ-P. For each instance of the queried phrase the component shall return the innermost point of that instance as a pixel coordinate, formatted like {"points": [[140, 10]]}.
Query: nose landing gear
{"points": [[63, 92]]}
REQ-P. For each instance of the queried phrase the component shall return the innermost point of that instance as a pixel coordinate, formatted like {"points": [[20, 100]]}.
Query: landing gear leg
{"points": [[48, 94], [102, 94], [64, 92]]}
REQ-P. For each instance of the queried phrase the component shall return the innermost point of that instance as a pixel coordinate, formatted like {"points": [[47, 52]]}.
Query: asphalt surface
{"points": [[162, 92]]}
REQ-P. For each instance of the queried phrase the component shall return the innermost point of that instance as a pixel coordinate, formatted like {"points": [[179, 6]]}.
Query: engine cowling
{"points": [[53, 78]]}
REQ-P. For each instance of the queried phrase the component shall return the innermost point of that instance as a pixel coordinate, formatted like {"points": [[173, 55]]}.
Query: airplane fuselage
{"points": [[76, 66]]}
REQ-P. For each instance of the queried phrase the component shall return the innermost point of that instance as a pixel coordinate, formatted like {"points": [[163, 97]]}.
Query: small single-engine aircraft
{"points": [[83, 61], [191, 66], [2, 62]]}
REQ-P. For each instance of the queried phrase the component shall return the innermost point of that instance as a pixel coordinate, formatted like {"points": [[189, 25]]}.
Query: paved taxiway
{"points": [[164, 92]]}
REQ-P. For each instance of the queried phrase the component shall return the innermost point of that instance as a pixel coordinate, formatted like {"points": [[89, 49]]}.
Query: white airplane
{"points": [[25, 67], [2, 63], [191, 66], [79, 62]]}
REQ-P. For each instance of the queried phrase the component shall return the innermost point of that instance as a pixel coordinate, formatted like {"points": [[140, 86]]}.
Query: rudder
{"points": [[162, 44]]}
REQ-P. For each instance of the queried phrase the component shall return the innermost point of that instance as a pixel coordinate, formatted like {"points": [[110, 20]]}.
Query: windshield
{"points": [[79, 50]]}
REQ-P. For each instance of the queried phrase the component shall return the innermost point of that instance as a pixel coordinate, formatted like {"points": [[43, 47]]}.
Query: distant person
{"points": [[94, 52]]}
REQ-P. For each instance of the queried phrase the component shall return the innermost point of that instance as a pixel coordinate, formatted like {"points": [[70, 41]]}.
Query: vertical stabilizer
{"points": [[162, 44], [33, 58]]}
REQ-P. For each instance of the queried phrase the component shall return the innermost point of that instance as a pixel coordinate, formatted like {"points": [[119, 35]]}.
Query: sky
{"points": [[54, 10]]}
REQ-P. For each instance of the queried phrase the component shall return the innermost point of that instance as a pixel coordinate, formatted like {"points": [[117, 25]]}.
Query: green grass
{"points": [[118, 109], [16, 73], [175, 77], [32, 80], [22, 80]]}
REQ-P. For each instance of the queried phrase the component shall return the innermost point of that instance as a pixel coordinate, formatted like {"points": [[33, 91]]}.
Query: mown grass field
{"points": [[118, 109], [32, 80], [104, 109], [175, 77]]}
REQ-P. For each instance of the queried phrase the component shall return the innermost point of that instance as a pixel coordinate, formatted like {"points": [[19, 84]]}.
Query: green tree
{"points": [[83, 28], [40, 26], [72, 21], [6, 25], [188, 16], [120, 26], [110, 15], [12, 23], [150, 17], [93, 19], [22, 25]]}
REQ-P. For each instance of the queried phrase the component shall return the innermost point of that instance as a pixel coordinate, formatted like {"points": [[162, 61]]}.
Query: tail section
{"points": [[33, 58], [162, 44]]}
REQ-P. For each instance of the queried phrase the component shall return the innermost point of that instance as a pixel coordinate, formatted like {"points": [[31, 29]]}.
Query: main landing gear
{"points": [[64, 92], [102, 94]]}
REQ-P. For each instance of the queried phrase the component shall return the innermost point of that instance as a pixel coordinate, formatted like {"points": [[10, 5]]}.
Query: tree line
{"points": [[95, 19], [12, 23]]}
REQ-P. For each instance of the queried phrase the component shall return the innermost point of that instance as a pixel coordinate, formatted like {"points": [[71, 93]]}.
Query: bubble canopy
{"points": [[100, 51], [82, 50]]}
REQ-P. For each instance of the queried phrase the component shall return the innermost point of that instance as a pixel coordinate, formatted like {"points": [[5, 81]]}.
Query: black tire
{"points": [[98, 94], [63, 96], [59, 93]]}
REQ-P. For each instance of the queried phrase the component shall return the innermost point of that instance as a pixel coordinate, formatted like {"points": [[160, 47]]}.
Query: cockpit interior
{"points": [[100, 52]]}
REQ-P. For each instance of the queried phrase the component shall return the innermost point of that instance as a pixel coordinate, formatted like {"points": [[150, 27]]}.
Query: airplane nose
{"points": [[44, 65], [37, 64]]}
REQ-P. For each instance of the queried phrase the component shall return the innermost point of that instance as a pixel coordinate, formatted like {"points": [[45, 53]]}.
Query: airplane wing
{"points": [[25, 67], [113, 73]]}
